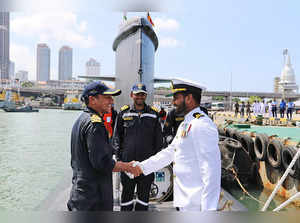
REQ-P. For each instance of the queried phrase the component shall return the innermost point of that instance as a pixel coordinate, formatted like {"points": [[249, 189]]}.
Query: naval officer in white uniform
{"points": [[194, 152]]}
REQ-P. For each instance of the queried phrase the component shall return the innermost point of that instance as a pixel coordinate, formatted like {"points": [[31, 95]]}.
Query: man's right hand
{"points": [[134, 168], [131, 167]]}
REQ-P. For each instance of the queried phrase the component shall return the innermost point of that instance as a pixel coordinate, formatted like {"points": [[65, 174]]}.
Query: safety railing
{"points": [[287, 201], [297, 155]]}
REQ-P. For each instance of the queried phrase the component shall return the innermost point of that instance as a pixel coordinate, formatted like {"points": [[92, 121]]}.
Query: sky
{"points": [[207, 41]]}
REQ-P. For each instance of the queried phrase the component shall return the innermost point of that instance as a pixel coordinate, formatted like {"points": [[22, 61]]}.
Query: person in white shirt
{"points": [[262, 108], [194, 152], [270, 108], [254, 108]]}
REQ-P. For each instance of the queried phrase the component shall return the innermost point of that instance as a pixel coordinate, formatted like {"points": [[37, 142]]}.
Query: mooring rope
{"points": [[242, 187]]}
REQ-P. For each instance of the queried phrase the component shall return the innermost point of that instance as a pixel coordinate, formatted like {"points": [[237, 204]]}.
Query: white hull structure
{"points": [[72, 106]]}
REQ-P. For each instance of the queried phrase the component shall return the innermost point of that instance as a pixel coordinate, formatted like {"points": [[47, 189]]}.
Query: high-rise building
{"points": [[43, 62], [22, 75], [92, 68], [11, 70], [4, 45], [65, 63]]}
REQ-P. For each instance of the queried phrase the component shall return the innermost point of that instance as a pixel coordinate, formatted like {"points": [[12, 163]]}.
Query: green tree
{"points": [[236, 100], [254, 98], [27, 84], [218, 98], [162, 88]]}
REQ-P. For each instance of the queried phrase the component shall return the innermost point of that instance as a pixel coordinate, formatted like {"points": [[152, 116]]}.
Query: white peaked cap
{"points": [[181, 81]]}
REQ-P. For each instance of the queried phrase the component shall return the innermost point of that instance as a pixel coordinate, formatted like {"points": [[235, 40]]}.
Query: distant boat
{"points": [[72, 106], [2, 99], [20, 109], [8, 98], [71, 101]]}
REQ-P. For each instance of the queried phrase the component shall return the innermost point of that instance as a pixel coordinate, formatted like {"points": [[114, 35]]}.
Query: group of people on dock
{"points": [[263, 108], [188, 141]]}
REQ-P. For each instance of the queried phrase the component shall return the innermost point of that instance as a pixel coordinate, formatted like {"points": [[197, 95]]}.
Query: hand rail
{"points": [[281, 181], [287, 201]]}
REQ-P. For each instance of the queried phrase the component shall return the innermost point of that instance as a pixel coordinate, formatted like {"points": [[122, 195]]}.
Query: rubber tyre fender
{"points": [[221, 131], [232, 144], [222, 139], [260, 146], [236, 135], [274, 153], [229, 132], [248, 144], [287, 155]]}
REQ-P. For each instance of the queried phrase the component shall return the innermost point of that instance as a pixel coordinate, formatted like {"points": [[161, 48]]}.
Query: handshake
{"points": [[132, 169]]}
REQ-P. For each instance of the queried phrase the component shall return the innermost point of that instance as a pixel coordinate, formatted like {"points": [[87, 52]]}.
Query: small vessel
{"points": [[26, 108], [9, 99], [2, 99], [71, 101]]}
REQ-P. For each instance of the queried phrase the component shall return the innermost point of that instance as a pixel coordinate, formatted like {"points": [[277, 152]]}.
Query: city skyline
{"points": [[65, 63], [43, 53], [92, 68], [197, 41], [4, 45]]}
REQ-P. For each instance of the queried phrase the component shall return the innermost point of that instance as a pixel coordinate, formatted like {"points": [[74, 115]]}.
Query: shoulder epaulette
{"points": [[125, 107], [95, 118], [154, 109], [198, 115]]}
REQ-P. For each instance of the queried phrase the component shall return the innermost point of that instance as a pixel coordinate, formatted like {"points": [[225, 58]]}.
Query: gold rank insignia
{"points": [[95, 118], [166, 124], [125, 107], [154, 108], [198, 115]]}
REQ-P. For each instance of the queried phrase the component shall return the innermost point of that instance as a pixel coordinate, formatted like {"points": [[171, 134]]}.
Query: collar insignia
{"points": [[95, 118]]}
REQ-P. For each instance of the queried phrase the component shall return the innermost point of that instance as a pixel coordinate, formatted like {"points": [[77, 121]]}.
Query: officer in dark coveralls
{"points": [[137, 136], [91, 154], [171, 125]]}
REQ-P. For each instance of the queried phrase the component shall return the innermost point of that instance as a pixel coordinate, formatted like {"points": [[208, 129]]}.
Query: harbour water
{"points": [[258, 198], [34, 155]]}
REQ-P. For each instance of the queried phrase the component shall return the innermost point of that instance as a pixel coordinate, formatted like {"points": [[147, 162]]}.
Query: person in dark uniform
{"points": [[137, 136], [91, 153], [236, 106], [171, 125], [243, 109], [248, 109]]}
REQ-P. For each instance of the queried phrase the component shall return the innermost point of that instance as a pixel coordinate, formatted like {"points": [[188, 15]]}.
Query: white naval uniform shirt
{"points": [[197, 164]]}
